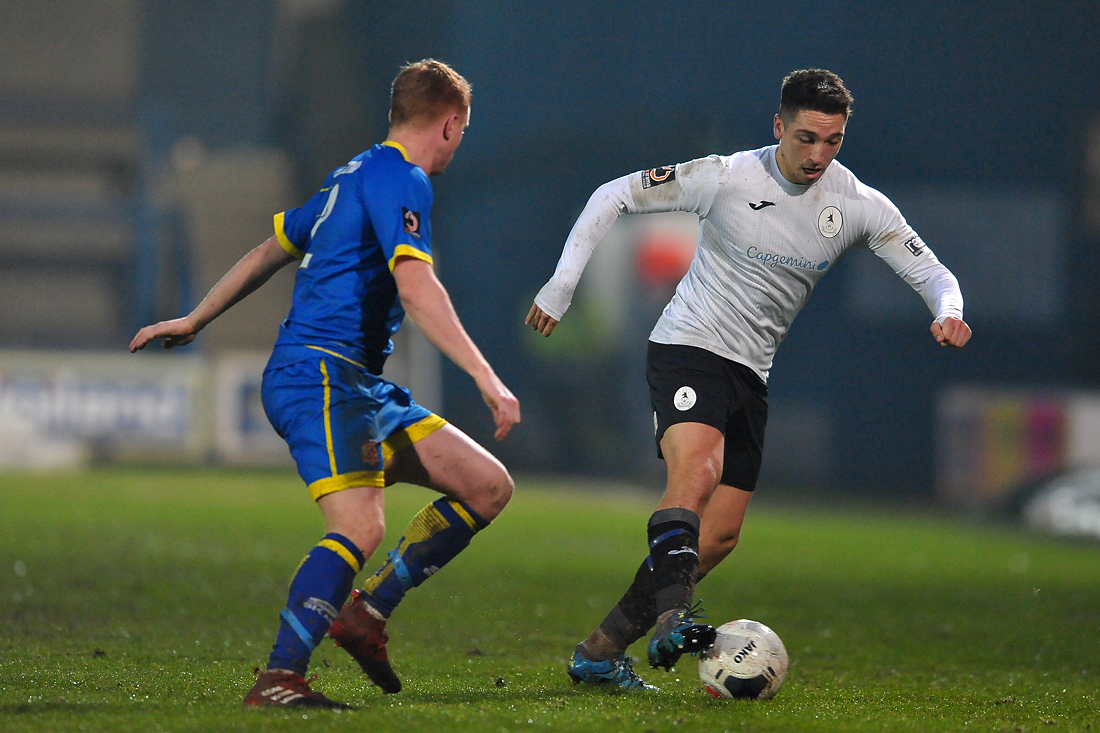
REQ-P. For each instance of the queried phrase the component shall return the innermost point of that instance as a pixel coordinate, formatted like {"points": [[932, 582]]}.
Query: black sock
{"points": [[635, 613], [674, 549]]}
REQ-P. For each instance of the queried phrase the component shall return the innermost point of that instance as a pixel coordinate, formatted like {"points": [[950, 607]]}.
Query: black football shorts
{"points": [[689, 384]]}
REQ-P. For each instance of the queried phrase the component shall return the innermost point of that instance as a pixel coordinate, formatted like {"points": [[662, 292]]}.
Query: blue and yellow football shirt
{"points": [[349, 236]]}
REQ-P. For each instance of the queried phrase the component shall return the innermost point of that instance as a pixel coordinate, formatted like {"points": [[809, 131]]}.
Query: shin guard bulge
{"points": [[319, 588], [674, 550], [433, 538]]}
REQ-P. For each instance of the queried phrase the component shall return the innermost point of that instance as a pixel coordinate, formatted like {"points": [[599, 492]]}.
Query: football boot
{"points": [[287, 689], [679, 634], [617, 671], [363, 635]]}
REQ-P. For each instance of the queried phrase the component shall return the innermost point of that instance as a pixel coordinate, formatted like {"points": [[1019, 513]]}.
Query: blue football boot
{"points": [[678, 635], [616, 671]]}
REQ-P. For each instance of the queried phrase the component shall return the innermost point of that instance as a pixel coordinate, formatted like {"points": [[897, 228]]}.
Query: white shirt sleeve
{"points": [[603, 208], [893, 240], [689, 186]]}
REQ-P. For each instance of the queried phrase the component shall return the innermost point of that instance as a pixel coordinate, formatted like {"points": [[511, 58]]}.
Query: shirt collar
{"points": [[400, 148], [795, 189]]}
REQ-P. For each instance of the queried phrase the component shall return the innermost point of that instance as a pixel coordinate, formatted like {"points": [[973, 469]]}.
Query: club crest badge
{"points": [[684, 399], [412, 221], [657, 176], [830, 221], [370, 453]]}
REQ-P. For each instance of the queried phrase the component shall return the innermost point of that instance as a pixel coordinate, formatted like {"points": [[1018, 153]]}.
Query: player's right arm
{"points": [[252, 271], [293, 235], [427, 303], [689, 186]]}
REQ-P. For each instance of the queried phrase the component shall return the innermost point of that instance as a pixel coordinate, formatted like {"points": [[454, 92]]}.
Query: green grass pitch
{"points": [[142, 600]]}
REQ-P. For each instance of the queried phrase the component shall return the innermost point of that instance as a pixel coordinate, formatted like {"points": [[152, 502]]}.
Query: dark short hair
{"points": [[819, 90], [425, 90]]}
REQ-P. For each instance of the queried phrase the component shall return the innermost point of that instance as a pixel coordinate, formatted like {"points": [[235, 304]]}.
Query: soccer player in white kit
{"points": [[772, 222]]}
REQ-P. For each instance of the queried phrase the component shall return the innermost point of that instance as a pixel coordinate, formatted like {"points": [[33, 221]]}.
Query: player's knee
{"points": [[703, 475], [725, 544], [372, 534], [712, 472], [715, 549], [484, 485], [366, 534], [498, 492]]}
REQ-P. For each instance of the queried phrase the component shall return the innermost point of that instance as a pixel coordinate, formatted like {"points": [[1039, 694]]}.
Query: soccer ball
{"points": [[747, 660]]}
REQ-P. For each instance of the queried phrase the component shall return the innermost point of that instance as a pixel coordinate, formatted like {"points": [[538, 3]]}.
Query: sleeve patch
{"points": [[411, 220], [914, 245], [657, 176]]}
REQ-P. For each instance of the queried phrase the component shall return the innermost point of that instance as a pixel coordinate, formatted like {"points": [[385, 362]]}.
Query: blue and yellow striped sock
{"points": [[319, 588], [433, 538]]}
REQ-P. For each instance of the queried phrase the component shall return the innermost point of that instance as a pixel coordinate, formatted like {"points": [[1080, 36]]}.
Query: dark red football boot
{"points": [[362, 635], [287, 689]]}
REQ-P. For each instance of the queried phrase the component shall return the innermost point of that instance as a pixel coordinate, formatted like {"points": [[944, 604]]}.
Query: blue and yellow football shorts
{"points": [[341, 422]]}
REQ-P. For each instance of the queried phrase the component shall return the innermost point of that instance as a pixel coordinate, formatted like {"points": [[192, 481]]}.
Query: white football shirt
{"points": [[764, 242]]}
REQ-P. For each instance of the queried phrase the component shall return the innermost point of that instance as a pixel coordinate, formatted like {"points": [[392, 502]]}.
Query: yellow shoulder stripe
{"points": [[284, 242], [407, 250]]}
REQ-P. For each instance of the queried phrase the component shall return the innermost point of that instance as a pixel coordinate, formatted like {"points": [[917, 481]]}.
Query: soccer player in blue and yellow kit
{"points": [[363, 243]]}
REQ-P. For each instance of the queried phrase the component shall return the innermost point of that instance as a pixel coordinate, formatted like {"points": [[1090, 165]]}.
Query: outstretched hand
{"points": [[177, 332], [540, 321], [954, 332]]}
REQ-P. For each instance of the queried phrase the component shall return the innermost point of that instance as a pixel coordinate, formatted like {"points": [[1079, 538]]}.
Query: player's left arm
{"points": [[401, 215], [895, 242], [935, 283], [953, 332], [252, 271], [429, 306]]}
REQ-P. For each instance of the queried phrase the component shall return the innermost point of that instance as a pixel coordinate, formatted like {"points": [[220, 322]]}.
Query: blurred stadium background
{"points": [[144, 147]]}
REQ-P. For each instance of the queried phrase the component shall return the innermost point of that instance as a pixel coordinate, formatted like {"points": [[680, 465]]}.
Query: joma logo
{"points": [[744, 653]]}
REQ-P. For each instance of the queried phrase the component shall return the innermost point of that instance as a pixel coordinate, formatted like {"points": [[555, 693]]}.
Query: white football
{"points": [[747, 660]]}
